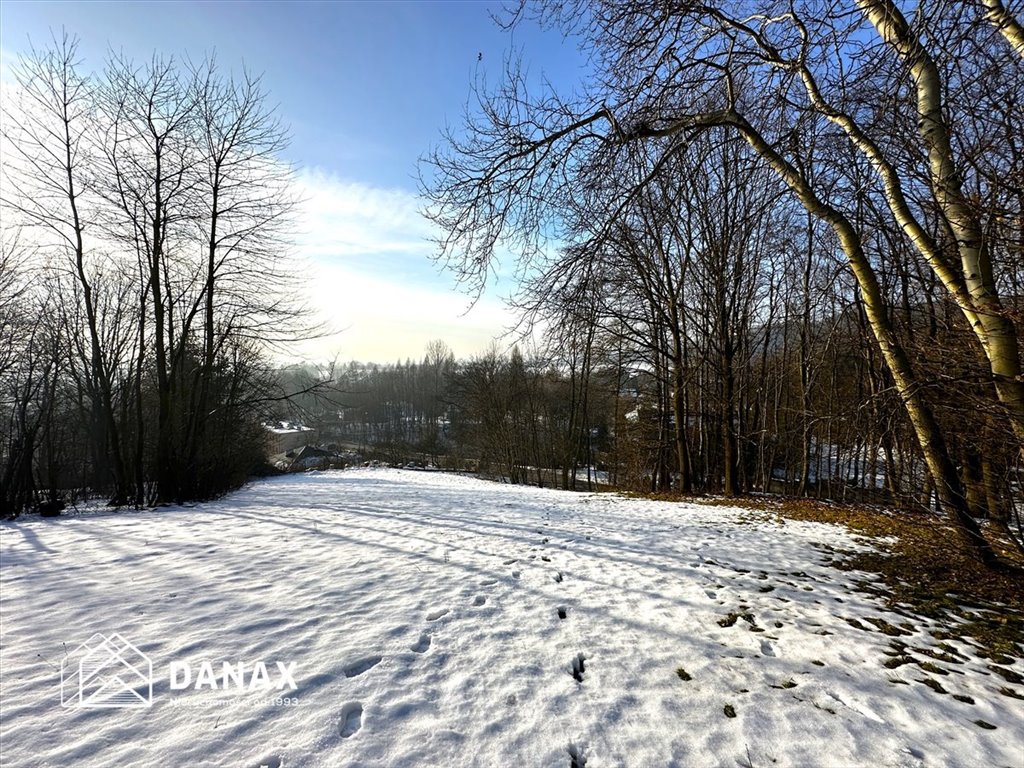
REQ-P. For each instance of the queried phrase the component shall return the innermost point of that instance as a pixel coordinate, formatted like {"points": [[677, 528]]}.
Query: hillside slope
{"points": [[427, 619]]}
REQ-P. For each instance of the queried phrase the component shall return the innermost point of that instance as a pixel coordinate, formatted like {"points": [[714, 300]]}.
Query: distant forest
{"points": [[804, 411]]}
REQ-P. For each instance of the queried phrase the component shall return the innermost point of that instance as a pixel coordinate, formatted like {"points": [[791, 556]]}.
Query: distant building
{"points": [[285, 436], [308, 457]]}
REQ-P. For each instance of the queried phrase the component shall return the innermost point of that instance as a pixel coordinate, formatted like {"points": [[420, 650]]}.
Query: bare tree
{"points": [[158, 199], [668, 76], [49, 132]]}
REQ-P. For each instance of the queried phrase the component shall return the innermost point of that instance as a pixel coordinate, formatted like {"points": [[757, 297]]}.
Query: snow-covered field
{"points": [[420, 617]]}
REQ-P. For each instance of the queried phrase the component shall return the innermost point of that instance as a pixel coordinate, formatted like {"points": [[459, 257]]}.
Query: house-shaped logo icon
{"points": [[106, 672]]}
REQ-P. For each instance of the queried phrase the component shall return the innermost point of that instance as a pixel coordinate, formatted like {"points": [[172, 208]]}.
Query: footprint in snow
{"points": [[576, 757], [579, 667], [271, 761], [479, 600], [435, 615], [363, 665], [422, 644], [351, 719], [767, 649]]}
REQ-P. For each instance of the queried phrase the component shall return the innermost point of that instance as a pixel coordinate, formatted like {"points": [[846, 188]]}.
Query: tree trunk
{"points": [[986, 314], [926, 429]]}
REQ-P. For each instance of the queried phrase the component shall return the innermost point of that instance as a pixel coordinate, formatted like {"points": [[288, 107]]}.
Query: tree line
{"points": [[142, 276], [809, 417], [524, 419], [805, 219]]}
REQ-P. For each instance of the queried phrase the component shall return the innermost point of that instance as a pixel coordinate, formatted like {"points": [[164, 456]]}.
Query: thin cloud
{"points": [[340, 219], [371, 277]]}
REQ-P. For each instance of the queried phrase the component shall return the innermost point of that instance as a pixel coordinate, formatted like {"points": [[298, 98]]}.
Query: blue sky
{"points": [[366, 89]]}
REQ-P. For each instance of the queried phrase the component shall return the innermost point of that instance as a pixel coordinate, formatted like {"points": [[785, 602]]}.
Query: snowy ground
{"points": [[421, 612]]}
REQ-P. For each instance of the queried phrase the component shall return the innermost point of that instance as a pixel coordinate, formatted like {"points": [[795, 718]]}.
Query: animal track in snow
{"points": [[563, 613], [479, 600], [558, 577], [271, 761], [767, 649], [363, 665], [435, 615], [351, 719], [422, 644]]}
